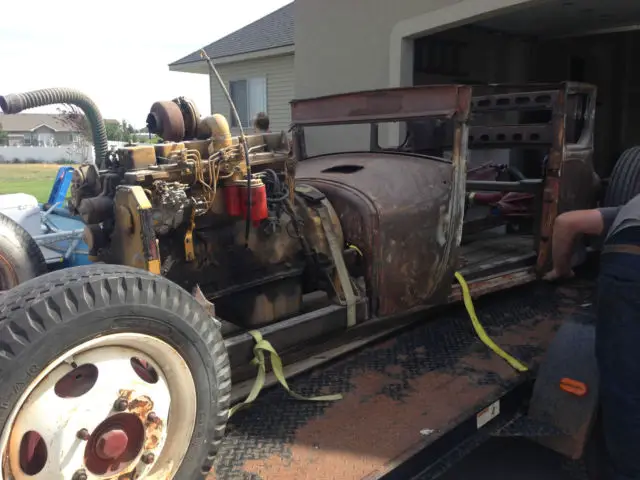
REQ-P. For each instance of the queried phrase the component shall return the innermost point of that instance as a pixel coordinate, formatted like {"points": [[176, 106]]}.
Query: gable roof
{"points": [[27, 122], [273, 31]]}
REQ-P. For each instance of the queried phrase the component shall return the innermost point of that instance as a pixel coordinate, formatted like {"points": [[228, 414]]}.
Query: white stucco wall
{"points": [[349, 45]]}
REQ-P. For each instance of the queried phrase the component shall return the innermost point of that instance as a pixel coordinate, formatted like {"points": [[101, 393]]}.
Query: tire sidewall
{"points": [[143, 319], [19, 252]]}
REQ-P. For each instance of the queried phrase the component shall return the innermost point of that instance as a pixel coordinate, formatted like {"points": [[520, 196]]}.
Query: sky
{"points": [[116, 52]]}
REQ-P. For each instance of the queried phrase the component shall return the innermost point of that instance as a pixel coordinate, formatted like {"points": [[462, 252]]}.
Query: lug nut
{"points": [[83, 434], [120, 405], [152, 418], [79, 475], [148, 458]]}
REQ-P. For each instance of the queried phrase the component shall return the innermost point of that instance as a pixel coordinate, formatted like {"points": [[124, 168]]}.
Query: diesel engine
{"points": [[207, 209]]}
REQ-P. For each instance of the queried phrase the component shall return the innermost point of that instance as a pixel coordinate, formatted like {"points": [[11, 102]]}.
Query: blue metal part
{"points": [[61, 185], [61, 240]]}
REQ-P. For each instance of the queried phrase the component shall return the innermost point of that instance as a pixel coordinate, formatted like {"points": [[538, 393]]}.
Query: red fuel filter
{"points": [[257, 211], [232, 199]]}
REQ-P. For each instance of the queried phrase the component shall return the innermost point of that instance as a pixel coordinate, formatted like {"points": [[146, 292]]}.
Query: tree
{"points": [[128, 131], [119, 131], [77, 122], [114, 131], [4, 136]]}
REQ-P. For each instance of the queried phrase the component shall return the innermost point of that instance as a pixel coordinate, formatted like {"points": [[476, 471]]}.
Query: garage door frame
{"points": [[405, 31]]}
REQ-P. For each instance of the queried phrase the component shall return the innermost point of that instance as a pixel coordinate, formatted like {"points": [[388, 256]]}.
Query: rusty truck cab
{"points": [[477, 194]]}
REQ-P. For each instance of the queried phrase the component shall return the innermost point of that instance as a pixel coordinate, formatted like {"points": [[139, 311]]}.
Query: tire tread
{"points": [[625, 178], [33, 308]]}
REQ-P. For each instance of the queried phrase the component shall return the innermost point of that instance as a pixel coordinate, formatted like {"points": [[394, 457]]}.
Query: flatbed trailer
{"points": [[414, 403]]}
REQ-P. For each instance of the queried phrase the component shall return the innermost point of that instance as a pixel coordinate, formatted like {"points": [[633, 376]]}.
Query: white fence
{"points": [[72, 153], [76, 153]]}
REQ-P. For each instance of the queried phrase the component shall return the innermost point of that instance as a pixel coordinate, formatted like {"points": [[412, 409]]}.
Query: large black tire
{"points": [[624, 183], [20, 257], [47, 316]]}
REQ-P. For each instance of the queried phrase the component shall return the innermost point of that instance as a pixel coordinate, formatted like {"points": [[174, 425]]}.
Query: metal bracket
{"points": [[338, 259]]}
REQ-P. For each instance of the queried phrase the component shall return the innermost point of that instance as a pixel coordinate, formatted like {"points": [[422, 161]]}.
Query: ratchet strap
{"points": [[261, 347], [468, 303], [338, 259]]}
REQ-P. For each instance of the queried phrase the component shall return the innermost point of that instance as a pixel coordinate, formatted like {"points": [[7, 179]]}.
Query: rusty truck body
{"points": [[321, 255]]}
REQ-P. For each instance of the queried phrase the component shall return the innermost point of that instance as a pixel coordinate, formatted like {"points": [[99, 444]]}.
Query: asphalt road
{"points": [[514, 459]]}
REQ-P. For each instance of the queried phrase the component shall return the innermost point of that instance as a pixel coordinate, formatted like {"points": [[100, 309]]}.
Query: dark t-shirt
{"points": [[618, 220]]}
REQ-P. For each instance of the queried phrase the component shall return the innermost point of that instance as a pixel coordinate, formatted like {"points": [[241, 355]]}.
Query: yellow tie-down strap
{"points": [[477, 326], [261, 347]]}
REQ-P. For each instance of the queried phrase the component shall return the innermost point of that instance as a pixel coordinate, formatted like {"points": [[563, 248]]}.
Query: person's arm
{"points": [[567, 227]]}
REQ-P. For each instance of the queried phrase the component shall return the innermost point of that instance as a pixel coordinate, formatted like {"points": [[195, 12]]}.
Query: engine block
{"points": [[203, 213]]}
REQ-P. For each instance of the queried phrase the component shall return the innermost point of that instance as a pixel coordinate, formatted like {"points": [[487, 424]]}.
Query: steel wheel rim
{"points": [[59, 405], [8, 275]]}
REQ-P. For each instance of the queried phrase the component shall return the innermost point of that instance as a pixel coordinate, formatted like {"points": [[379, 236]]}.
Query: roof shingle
{"points": [[26, 122], [272, 31]]}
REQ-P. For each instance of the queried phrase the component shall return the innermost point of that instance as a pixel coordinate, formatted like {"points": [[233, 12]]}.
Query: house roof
{"points": [[27, 122], [273, 31]]}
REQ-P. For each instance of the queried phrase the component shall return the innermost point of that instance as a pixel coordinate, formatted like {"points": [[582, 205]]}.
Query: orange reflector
{"points": [[573, 387]]}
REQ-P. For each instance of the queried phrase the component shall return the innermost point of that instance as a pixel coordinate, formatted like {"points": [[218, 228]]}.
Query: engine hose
{"points": [[17, 102]]}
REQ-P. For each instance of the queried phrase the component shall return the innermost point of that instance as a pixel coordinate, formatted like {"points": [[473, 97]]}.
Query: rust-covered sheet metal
{"points": [[394, 208], [383, 105], [432, 377], [569, 178]]}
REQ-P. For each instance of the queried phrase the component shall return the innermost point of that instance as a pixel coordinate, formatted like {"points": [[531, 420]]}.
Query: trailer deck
{"points": [[413, 403]]}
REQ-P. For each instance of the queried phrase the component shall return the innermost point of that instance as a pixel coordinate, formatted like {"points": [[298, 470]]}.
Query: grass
{"points": [[34, 179]]}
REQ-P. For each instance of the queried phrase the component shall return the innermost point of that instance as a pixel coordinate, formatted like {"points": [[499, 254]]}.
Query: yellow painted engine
{"points": [[206, 209]]}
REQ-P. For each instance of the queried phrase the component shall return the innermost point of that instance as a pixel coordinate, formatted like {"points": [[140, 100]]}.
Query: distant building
{"points": [[38, 130]]}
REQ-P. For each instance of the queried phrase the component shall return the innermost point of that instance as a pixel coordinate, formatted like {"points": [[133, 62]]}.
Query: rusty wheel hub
{"points": [[114, 444], [101, 411]]}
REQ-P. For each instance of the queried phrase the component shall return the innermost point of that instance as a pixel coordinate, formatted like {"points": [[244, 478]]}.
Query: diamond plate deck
{"points": [[431, 377]]}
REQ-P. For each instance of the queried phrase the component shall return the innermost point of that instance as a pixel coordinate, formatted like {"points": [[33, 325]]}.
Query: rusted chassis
{"points": [[404, 212]]}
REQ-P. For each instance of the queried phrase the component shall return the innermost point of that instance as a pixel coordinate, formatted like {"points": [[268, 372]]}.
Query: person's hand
{"points": [[555, 275]]}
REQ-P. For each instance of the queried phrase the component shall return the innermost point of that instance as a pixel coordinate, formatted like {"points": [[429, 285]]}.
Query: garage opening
{"points": [[587, 41]]}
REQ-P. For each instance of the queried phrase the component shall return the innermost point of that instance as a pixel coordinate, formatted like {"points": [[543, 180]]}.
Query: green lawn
{"points": [[36, 179]]}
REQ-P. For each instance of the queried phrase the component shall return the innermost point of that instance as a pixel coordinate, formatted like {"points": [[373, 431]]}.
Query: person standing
{"points": [[617, 323]]}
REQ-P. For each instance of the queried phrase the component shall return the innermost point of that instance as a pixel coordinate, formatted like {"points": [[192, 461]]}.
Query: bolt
{"points": [[120, 404], [152, 418], [79, 475], [83, 434], [148, 458]]}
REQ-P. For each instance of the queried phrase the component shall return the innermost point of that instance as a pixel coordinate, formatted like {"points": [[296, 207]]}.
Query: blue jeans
{"points": [[618, 356]]}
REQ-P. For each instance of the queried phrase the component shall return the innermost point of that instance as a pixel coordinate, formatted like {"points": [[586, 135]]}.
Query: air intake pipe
{"points": [[17, 102]]}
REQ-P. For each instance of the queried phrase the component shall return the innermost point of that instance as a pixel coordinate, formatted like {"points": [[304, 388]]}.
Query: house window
{"points": [[250, 98]]}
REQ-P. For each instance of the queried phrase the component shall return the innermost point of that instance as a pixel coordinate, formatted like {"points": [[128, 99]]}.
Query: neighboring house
{"points": [[37, 130], [257, 66]]}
